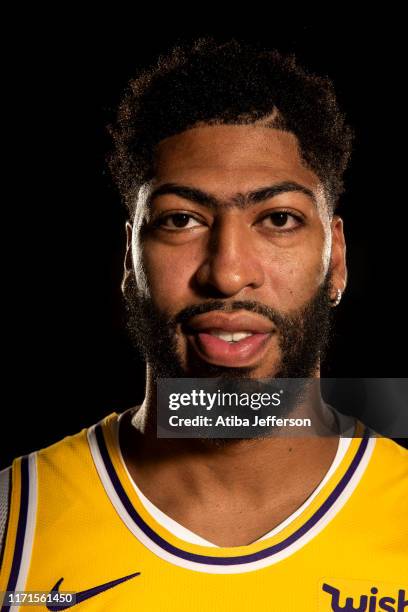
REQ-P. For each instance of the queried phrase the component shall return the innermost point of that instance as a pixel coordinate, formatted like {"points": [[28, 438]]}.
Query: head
{"points": [[231, 163]]}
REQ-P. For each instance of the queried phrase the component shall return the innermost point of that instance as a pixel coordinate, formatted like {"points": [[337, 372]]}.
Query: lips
{"points": [[231, 322], [230, 339]]}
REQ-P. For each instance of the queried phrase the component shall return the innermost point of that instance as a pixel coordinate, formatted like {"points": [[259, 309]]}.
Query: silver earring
{"points": [[336, 300]]}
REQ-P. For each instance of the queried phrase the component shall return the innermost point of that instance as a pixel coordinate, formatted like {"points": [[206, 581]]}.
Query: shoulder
{"points": [[389, 458], [385, 481], [51, 473], [72, 448]]}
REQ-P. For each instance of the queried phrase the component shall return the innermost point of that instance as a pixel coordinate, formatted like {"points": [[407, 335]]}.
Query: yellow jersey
{"points": [[77, 524]]}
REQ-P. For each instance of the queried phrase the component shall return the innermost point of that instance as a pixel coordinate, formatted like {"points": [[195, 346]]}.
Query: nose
{"points": [[232, 261]]}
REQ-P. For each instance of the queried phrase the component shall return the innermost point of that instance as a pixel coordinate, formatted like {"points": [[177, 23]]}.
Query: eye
{"points": [[177, 221], [282, 219]]}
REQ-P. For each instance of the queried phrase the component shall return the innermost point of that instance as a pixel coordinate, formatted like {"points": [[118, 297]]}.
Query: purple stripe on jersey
{"points": [[21, 530], [239, 559]]}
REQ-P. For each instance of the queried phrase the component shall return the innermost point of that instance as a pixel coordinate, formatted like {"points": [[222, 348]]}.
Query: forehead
{"points": [[232, 158]]}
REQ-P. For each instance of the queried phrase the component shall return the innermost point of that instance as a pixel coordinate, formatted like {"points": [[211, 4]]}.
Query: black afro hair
{"points": [[228, 83]]}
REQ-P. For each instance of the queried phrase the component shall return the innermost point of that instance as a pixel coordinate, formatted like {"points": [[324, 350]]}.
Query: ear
{"points": [[127, 264], [338, 257]]}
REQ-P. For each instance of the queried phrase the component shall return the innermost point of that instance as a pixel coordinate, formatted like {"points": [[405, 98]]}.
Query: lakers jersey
{"points": [[77, 524]]}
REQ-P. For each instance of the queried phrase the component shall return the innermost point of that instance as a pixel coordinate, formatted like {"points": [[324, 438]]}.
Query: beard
{"points": [[303, 335]]}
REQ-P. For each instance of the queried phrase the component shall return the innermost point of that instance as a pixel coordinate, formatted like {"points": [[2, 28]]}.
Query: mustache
{"points": [[197, 309]]}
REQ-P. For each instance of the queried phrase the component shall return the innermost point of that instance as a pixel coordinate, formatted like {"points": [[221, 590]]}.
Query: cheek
{"points": [[164, 276], [293, 275]]}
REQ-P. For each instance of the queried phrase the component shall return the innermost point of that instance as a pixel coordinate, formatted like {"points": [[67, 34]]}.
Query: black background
{"points": [[69, 362]]}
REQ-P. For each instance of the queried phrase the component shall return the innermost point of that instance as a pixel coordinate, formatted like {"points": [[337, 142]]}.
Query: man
{"points": [[230, 161]]}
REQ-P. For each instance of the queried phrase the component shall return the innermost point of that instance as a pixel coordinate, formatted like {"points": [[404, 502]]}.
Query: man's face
{"points": [[233, 256]]}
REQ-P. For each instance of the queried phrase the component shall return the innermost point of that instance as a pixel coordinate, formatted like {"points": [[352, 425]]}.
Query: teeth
{"points": [[231, 337], [237, 336]]}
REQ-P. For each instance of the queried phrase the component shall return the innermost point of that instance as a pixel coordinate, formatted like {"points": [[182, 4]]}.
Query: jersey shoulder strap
{"points": [[19, 519], [31, 488]]}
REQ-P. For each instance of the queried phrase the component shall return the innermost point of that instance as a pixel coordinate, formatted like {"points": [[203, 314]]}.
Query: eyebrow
{"points": [[239, 200]]}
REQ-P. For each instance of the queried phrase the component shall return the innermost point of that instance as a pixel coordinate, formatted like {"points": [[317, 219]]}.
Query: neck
{"points": [[249, 472]]}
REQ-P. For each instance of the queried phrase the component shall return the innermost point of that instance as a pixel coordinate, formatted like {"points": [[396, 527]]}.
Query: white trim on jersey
{"points": [[208, 567], [189, 536]]}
